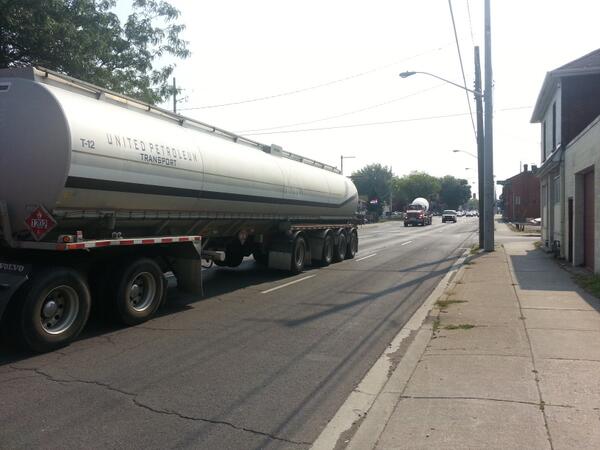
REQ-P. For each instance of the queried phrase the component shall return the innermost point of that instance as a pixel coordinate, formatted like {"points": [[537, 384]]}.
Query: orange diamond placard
{"points": [[40, 222]]}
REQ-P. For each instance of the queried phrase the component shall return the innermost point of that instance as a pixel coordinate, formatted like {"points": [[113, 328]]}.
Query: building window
{"points": [[556, 189], [544, 141], [553, 126]]}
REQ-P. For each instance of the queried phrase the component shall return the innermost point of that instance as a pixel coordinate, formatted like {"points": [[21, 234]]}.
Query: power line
{"points": [[462, 69], [343, 114], [369, 124], [317, 86]]}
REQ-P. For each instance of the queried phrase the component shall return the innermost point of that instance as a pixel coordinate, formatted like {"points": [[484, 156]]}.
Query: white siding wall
{"points": [[551, 210], [582, 155], [550, 125], [544, 205]]}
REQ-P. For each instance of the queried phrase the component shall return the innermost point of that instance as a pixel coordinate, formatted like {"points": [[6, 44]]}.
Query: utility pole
{"points": [[174, 96], [342, 157], [391, 189], [488, 159], [480, 157]]}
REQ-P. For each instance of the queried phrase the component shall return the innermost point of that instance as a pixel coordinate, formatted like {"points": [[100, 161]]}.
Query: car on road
{"points": [[449, 215]]}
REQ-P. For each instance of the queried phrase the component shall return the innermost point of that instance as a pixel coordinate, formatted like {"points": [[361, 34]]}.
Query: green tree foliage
{"points": [[454, 191], [473, 204], [374, 182], [86, 40], [416, 184]]}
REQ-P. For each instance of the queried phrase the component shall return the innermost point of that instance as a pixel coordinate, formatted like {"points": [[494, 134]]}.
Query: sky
{"points": [[330, 71]]}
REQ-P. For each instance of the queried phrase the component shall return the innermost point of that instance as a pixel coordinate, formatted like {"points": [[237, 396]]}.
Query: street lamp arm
{"points": [[464, 151], [410, 73]]}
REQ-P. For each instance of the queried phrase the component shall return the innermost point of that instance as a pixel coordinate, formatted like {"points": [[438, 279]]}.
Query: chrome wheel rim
{"points": [[300, 255], [354, 244], [328, 249], [141, 291], [59, 310]]}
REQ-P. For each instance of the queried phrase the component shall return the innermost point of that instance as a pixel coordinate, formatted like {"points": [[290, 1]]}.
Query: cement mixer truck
{"points": [[417, 213], [101, 195]]}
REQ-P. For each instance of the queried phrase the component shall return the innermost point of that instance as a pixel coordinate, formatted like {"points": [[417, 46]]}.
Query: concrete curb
{"points": [[376, 396]]}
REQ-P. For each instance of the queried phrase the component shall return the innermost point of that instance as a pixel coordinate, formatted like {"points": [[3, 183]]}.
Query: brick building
{"points": [[521, 196]]}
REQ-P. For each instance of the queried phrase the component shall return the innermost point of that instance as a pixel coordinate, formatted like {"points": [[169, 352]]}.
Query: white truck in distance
{"points": [[101, 194], [418, 213]]}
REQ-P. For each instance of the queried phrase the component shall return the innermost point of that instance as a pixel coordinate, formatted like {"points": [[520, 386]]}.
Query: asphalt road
{"points": [[261, 361]]}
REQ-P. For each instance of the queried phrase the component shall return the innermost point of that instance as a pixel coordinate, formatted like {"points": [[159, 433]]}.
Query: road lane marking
{"points": [[365, 257], [406, 243], [287, 284]]}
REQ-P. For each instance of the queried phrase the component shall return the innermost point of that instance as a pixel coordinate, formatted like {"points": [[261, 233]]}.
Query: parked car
{"points": [[449, 215]]}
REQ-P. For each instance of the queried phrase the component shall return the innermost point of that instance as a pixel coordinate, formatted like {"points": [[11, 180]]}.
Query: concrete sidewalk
{"points": [[510, 358]]}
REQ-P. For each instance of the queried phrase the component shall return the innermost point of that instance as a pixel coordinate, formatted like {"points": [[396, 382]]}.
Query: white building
{"points": [[568, 107]]}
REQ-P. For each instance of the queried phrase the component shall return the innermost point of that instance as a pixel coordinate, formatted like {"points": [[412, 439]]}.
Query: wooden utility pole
{"points": [[480, 141], [488, 160]]}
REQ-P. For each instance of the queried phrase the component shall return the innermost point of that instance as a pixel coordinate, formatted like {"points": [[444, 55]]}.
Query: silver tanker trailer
{"points": [[101, 194]]}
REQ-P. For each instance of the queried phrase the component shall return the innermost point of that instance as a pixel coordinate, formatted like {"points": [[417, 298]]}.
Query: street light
{"points": [[464, 151], [484, 150], [411, 73], [342, 157]]}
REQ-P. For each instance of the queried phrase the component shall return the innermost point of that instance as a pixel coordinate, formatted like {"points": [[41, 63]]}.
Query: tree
{"points": [[374, 182], [86, 40], [454, 191], [417, 184], [473, 203]]}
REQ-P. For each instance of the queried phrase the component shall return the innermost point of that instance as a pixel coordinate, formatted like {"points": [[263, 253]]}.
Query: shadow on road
{"points": [[217, 281]]}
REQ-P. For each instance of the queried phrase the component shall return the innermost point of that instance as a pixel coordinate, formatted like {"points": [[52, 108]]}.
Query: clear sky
{"points": [[244, 50]]}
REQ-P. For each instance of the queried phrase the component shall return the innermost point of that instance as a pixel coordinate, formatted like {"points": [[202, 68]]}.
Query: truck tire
{"points": [[298, 255], [352, 247], [138, 291], [232, 259], [54, 308], [261, 257], [327, 255], [339, 251]]}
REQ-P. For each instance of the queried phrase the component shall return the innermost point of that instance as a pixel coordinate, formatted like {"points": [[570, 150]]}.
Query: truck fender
{"points": [[12, 277]]}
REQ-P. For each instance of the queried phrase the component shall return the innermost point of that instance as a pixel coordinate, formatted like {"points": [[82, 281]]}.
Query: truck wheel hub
{"points": [[50, 309]]}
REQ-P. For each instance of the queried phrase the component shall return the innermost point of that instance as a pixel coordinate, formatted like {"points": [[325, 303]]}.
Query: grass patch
{"points": [[474, 249], [462, 326], [537, 244], [443, 304], [591, 283], [436, 324]]}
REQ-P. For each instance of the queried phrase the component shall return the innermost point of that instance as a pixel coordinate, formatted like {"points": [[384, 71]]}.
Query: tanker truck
{"points": [[417, 213], [101, 195]]}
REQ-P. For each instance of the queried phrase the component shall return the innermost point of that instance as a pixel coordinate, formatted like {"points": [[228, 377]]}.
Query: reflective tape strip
{"points": [[119, 242]]}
